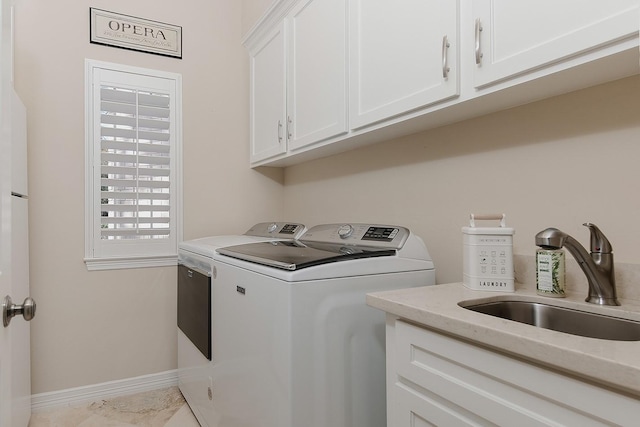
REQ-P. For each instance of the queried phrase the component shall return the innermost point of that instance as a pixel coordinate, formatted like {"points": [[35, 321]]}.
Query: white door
{"points": [[514, 37], [15, 369], [5, 284], [20, 330], [5, 218], [15, 378]]}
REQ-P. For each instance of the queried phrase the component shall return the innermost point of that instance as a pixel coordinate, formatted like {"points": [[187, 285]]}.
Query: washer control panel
{"points": [[384, 234], [345, 231], [280, 230], [373, 235]]}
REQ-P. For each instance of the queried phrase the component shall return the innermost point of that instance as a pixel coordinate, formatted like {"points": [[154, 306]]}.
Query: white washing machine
{"points": [[294, 343], [195, 272]]}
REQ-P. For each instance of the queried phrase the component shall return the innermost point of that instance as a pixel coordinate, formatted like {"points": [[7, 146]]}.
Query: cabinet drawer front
{"points": [[419, 410], [501, 389]]}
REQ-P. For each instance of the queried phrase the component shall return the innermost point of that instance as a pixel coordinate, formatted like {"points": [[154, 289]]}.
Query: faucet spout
{"points": [[597, 265]]}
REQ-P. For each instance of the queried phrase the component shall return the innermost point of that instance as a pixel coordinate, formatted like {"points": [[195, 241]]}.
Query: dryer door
{"points": [[194, 307]]}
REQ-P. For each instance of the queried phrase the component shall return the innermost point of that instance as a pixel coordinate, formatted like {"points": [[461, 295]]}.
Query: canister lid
{"points": [[489, 230], [502, 230]]}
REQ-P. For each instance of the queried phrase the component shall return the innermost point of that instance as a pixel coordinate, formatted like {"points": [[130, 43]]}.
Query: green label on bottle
{"points": [[550, 272]]}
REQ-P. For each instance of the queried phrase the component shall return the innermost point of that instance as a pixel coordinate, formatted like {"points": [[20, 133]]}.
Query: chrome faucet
{"points": [[597, 266]]}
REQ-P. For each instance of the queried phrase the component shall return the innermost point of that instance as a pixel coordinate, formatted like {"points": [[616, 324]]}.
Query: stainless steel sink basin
{"points": [[561, 319]]}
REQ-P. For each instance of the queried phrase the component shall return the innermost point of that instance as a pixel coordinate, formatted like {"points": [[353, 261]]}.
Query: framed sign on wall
{"points": [[129, 32]]}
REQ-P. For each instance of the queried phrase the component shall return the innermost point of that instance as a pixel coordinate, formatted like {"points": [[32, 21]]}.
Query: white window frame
{"points": [[101, 254]]}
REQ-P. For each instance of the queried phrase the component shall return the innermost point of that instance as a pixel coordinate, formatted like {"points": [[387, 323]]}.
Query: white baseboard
{"points": [[82, 395]]}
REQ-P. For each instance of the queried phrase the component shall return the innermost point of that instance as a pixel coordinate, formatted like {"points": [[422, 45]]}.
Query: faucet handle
{"points": [[599, 242]]}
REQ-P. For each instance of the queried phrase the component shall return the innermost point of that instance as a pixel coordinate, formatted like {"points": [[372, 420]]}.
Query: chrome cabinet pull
{"points": [[9, 310], [279, 130], [289, 125], [477, 47], [445, 62]]}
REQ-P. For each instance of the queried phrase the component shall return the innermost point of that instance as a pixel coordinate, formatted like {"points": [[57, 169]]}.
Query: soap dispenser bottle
{"points": [[550, 272]]}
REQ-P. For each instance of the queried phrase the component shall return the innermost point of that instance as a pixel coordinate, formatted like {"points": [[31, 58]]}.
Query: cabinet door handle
{"points": [[279, 130], [477, 47], [445, 62], [289, 125]]}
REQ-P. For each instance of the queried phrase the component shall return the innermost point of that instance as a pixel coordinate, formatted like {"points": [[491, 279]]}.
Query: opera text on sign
{"points": [[114, 29]]}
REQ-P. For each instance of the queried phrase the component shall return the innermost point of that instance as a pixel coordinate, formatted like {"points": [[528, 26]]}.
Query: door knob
{"points": [[9, 309]]}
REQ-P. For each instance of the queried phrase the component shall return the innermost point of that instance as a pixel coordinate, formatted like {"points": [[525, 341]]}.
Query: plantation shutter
{"points": [[135, 163], [133, 173]]}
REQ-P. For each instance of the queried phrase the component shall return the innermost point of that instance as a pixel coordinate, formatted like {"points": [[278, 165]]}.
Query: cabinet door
{"points": [[513, 37], [317, 72], [413, 409], [399, 55], [441, 380], [268, 96]]}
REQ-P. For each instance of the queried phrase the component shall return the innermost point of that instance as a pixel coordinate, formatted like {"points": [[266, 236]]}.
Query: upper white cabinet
{"points": [[331, 75], [317, 77], [268, 113], [403, 56], [515, 37], [298, 73]]}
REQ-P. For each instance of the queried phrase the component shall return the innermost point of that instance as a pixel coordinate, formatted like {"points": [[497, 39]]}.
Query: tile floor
{"points": [[157, 408]]}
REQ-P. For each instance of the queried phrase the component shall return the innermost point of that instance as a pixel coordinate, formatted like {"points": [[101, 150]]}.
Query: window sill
{"points": [[94, 264]]}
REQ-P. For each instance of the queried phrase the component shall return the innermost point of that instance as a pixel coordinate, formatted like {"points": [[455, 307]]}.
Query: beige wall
{"points": [[93, 327], [559, 162], [252, 11]]}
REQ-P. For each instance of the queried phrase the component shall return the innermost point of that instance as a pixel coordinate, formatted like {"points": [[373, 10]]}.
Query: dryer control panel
{"points": [[372, 235]]}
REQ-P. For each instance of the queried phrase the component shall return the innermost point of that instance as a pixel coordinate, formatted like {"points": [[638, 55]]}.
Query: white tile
{"points": [[183, 418], [156, 408]]}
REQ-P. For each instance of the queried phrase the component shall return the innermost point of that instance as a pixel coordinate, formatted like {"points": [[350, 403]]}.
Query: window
{"points": [[133, 152]]}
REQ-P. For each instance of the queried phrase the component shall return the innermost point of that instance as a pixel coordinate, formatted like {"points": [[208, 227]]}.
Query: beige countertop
{"points": [[611, 363]]}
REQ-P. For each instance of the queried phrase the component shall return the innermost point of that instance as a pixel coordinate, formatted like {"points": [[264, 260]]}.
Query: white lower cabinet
{"points": [[436, 379]]}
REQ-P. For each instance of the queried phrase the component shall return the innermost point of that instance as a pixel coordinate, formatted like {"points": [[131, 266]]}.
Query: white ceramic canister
{"points": [[488, 255]]}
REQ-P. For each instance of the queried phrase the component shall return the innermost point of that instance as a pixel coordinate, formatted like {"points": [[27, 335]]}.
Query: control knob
{"points": [[345, 231]]}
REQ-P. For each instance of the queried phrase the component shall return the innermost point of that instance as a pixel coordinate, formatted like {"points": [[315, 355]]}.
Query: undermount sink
{"points": [[562, 319]]}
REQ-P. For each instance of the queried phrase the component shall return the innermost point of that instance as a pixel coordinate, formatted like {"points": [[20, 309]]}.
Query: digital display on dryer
{"points": [[380, 234], [289, 229]]}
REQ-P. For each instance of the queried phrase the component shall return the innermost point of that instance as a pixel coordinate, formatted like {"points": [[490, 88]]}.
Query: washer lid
{"points": [[294, 255]]}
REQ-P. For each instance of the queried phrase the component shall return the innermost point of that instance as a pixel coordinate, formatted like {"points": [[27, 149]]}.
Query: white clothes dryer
{"points": [[195, 272]]}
